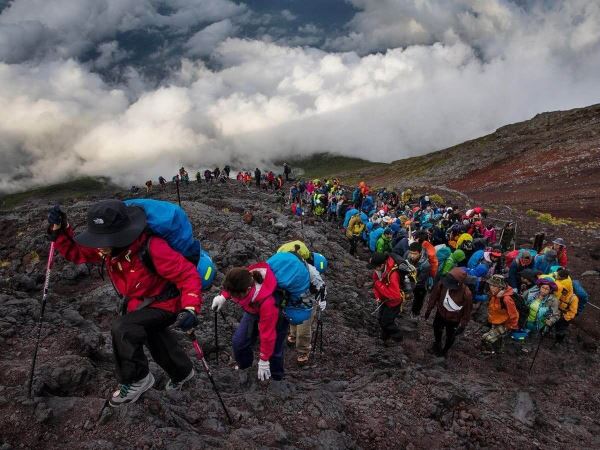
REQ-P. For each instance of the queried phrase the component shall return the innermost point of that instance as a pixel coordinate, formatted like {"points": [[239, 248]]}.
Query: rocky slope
{"points": [[549, 164], [357, 394]]}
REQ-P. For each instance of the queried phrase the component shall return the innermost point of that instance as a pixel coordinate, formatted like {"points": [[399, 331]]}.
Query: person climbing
{"points": [[287, 171], [417, 256], [162, 182], [253, 288], [354, 231], [384, 243], [387, 289], [216, 173], [154, 299], [568, 303], [227, 170], [453, 302], [208, 176], [455, 258], [523, 261], [257, 177], [198, 177], [301, 335], [542, 306], [422, 237], [545, 261], [502, 314], [148, 187], [560, 247]]}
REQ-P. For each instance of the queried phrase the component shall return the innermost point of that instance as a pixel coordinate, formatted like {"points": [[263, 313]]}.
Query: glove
{"points": [[186, 320], [321, 296], [264, 370], [218, 302], [57, 220], [459, 330]]}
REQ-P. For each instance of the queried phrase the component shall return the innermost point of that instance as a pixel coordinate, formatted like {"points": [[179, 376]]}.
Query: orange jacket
{"points": [[431, 256], [506, 314]]}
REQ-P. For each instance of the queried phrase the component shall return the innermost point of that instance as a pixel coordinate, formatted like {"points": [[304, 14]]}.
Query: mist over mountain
{"points": [[133, 88]]}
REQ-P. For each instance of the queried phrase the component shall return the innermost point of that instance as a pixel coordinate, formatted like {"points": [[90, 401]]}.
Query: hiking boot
{"points": [[435, 349], [177, 385], [303, 359], [129, 393]]}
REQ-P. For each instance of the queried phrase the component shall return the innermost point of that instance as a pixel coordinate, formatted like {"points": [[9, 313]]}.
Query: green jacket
{"points": [[383, 244], [456, 257]]}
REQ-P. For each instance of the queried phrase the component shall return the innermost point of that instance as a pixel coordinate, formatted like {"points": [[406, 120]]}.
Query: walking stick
{"points": [[39, 333], [200, 356], [536, 353], [178, 196], [216, 339]]}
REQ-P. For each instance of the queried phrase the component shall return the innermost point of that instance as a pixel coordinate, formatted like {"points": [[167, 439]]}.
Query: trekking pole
{"points": [[39, 333], [216, 339], [178, 196], [200, 356], [536, 353]]}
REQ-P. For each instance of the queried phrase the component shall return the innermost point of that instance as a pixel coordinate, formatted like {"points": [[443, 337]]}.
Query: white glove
{"points": [[218, 302], [264, 370], [322, 297], [322, 305]]}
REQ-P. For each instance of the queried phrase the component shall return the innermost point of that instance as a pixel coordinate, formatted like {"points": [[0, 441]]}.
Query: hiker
{"points": [[208, 176], [148, 187], [507, 236], [301, 335], [253, 288], [545, 261], [271, 179], [162, 182], [560, 247], [227, 170], [523, 261], [286, 171], [455, 258], [422, 237], [502, 314], [542, 305], [198, 177], [354, 231], [568, 303], [384, 243], [400, 242], [489, 233], [216, 173], [387, 289], [453, 302], [154, 299], [417, 256]]}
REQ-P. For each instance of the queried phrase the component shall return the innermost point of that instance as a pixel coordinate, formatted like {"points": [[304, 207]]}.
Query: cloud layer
{"points": [[403, 78]]}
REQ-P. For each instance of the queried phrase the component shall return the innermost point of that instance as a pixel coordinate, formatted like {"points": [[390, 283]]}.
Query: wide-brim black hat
{"points": [[111, 223]]}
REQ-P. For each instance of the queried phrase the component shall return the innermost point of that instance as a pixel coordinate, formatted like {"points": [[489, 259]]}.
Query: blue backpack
{"points": [[170, 222], [581, 294], [293, 279]]}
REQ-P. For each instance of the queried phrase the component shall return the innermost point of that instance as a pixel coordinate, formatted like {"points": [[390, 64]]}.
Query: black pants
{"points": [[561, 327], [418, 299], [439, 324], [147, 327], [387, 322], [353, 243]]}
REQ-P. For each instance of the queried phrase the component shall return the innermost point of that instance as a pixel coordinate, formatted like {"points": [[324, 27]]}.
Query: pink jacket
{"points": [[260, 301], [490, 235]]}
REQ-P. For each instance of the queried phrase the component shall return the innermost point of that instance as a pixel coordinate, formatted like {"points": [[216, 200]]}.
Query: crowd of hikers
{"points": [[425, 256]]}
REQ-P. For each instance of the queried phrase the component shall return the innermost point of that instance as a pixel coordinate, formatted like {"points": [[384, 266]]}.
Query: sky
{"points": [[133, 89]]}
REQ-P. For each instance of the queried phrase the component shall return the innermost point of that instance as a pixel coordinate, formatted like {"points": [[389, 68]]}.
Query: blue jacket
{"points": [[474, 259], [581, 294], [367, 204], [543, 264]]}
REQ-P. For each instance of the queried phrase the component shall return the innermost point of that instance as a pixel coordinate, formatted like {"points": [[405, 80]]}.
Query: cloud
{"points": [[456, 74]]}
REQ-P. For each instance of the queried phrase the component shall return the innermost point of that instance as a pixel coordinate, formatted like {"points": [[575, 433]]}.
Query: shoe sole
{"points": [[139, 394]]}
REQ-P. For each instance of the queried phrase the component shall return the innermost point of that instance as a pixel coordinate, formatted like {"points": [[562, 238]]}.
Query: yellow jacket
{"points": [[462, 238], [355, 226], [568, 302]]}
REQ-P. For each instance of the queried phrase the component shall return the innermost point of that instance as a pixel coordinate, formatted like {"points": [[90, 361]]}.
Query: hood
{"points": [[268, 286], [458, 255]]}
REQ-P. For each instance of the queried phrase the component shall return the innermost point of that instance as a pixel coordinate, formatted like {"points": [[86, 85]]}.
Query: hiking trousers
{"points": [[418, 299], [353, 243], [302, 333], [439, 325], [147, 326], [387, 322], [244, 341]]}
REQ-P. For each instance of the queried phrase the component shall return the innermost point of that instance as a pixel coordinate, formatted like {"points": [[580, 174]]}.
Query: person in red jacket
{"points": [[387, 289], [560, 247], [154, 299], [253, 289]]}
